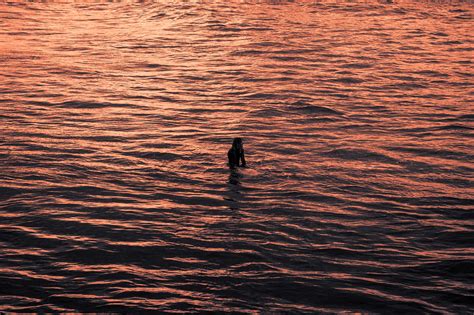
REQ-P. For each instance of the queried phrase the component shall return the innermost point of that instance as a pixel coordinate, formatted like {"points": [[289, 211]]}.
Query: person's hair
{"points": [[237, 142]]}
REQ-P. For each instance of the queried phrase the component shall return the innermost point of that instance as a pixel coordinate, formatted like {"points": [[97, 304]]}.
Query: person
{"points": [[236, 153]]}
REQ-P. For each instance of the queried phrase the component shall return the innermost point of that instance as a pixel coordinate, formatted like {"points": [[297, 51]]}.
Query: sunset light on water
{"points": [[357, 121]]}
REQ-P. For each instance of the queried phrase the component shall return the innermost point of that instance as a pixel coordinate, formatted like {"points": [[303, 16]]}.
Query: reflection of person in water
{"points": [[233, 194], [236, 153], [234, 178]]}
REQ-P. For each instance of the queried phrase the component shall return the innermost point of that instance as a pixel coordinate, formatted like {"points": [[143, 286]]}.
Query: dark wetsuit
{"points": [[236, 156]]}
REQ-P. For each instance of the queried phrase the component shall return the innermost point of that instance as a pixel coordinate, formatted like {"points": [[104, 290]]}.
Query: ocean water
{"points": [[358, 126]]}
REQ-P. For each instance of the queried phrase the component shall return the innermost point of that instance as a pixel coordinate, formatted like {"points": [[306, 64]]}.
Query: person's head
{"points": [[237, 144]]}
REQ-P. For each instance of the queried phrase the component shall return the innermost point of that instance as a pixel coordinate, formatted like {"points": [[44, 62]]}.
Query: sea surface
{"points": [[358, 126]]}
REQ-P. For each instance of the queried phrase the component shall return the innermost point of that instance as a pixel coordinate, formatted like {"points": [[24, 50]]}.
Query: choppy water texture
{"points": [[357, 120]]}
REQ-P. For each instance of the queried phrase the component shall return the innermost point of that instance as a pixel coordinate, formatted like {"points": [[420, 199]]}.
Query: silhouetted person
{"points": [[236, 153]]}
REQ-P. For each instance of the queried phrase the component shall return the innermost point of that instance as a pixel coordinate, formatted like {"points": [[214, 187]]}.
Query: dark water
{"points": [[358, 124]]}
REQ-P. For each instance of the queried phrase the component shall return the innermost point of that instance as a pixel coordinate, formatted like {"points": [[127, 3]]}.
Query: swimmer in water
{"points": [[236, 153]]}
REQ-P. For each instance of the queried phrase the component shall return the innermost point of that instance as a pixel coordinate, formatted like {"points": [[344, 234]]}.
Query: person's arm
{"points": [[243, 158]]}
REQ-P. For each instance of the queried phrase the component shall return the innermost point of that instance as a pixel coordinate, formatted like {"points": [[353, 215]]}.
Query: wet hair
{"points": [[236, 154], [237, 143]]}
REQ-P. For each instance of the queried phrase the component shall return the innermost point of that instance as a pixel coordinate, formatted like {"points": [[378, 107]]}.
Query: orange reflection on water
{"points": [[117, 118]]}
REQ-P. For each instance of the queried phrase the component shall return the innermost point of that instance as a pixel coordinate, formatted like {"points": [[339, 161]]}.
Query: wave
{"points": [[116, 196]]}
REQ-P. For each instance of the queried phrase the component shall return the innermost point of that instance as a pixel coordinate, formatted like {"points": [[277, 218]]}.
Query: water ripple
{"points": [[357, 121]]}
